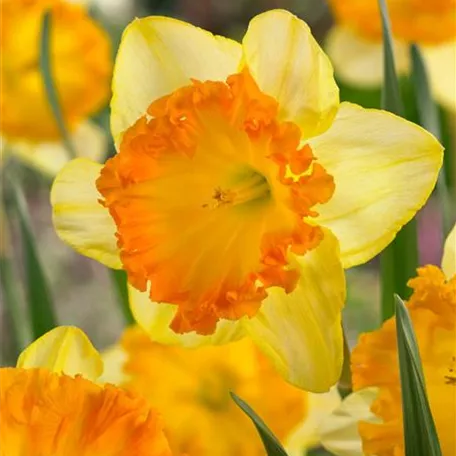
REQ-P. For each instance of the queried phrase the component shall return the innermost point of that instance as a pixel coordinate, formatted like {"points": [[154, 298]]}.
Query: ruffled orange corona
{"points": [[209, 192], [46, 413], [50, 404], [422, 21], [432, 308]]}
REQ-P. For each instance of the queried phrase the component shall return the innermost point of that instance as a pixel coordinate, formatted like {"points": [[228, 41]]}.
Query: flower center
{"points": [[210, 192], [421, 21]]}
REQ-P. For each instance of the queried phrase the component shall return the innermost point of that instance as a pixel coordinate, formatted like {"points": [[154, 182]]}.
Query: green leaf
{"points": [[419, 428], [271, 443], [391, 95], [430, 120], [37, 289], [400, 259], [119, 278], [48, 81]]}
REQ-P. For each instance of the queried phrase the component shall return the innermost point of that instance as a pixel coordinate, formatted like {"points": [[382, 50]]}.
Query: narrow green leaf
{"points": [[48, 81], [391, 95], [419, 428], [271, 443], [400, 259], [430, 120], [19, 324], [119, 278], [38, 294], [345, 382]]}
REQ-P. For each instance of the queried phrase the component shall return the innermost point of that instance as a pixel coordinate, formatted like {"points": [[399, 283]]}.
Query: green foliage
{"points": [[400, 259], [419, 429], [429, 117], [270, 441], [48, 81], [38, 292]]}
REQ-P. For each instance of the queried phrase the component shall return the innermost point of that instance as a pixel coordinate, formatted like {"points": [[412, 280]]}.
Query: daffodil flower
{"points": [[195, 385], [51, 404], [81, 68], [355, 43], [241, 189], [369, 421]]}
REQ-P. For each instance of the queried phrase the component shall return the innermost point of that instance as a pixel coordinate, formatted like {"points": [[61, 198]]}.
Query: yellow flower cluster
{"points": [[240, 191]]}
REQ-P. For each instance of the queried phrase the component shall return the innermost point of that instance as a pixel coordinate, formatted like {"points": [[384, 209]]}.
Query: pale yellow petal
{"points": [[89, 141], [384, 169], [307, 436], [301, 331], [449, 254], [288, 64], [65, 349], [114, 359], [155, 319], [441, 66], [339, 432], [157, 55], [79, 219], [358, 61]]}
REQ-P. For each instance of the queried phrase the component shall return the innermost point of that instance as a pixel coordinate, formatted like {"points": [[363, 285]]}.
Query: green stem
{"points": [[119, 278], [48, 81]]}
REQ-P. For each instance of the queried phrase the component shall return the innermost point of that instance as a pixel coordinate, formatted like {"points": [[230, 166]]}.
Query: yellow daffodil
{"points": [[238, 175], [369, 422], [191, 388], [51, 405], [355, 43], [81, 68]]}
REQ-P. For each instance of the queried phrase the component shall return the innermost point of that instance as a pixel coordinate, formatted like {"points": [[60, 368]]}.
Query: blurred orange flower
{"points": [[48, 409], [80, 65]]}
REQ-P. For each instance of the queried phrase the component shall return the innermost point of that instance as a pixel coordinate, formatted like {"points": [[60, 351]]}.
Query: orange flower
{"points": [[375, 361], [355, 45], [375, 371], [183, 149], [414, 21], [81, 69], [191, 387], [50, 412], [241, 188]]}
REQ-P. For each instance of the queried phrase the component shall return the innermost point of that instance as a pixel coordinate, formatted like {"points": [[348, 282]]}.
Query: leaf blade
{"points": [[271, 444], [419, 429], [45, 61], [42, 316]]}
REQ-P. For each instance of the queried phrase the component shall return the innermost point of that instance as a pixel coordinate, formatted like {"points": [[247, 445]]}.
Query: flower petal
{"points": [[89, 141], [79, 219], [441, 65], [358, 61], [114, 359], [157, 55], [288, 64], [339, 432], [301, 331], [306, 436], [384, 169], [155, 319], [449, 254], [65, 349]]}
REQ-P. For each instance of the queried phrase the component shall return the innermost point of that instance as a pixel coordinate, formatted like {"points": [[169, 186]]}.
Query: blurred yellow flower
{"points": [[238, 175], [50, 405], [355, 43], [81, 67], [191, 387], [432, 308]]}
